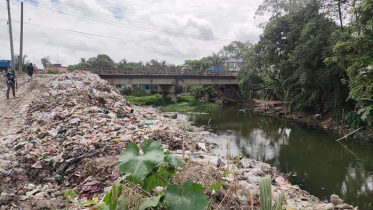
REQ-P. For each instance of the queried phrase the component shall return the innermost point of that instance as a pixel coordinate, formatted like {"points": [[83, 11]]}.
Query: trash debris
{"points": [[37, 165], [202, 146], [281, 181], [76, 129], [90, 187]]}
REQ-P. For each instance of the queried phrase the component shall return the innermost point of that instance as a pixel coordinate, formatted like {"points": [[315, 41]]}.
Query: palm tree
{"points": [[216, 59], [82, 61]]}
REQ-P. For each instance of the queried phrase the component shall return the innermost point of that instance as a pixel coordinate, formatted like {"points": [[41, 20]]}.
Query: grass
{"points": [[192, 106], [185, 103]]}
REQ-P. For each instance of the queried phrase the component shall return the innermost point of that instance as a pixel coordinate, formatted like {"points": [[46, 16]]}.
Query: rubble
{"points": [[75, 131], [245, 179]]}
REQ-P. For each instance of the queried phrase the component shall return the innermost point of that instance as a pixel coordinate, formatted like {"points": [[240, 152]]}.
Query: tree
{"points": [[24, 62], [279, 8], [288, 61], [353, 52], [46, 61], [101, 61], [236, 49], [336, 9], [216, 59]]}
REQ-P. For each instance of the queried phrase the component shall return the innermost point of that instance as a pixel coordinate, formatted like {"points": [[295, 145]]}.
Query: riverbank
{"points": [[184, 104], [74, 131], [319, 121]]}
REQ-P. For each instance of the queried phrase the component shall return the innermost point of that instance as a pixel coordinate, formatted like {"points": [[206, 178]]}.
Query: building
{"points": [[57, 68], [233, 65]]}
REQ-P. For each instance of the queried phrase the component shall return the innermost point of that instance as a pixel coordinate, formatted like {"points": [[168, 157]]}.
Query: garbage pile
{"points": [[74, 133], [244, 179]]}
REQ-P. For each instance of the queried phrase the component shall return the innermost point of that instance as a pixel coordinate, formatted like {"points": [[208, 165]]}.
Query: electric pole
{"points": [[10, 35], [20, 59]]}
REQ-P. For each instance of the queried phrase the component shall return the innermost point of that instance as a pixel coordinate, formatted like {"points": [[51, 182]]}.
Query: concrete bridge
{"points": [[166, 80]]}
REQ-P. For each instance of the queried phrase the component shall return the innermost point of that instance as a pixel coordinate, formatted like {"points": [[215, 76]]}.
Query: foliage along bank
{"points": [[317, 56]]}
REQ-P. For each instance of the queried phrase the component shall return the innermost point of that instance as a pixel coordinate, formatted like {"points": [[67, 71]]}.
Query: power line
{"points": [[131, 26], [103, 36], [181, 30]]}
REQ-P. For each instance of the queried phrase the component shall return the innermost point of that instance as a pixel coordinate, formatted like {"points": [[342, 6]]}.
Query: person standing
{"points": [[11, 82], [35, 69], [30, 71]]}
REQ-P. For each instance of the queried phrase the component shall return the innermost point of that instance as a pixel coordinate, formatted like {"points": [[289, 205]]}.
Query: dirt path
{"points": [[12, 111]]}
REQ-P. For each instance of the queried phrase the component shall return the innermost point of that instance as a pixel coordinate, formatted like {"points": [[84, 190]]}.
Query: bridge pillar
{"points": [[164, 96], [168, 89], [174, 97]]}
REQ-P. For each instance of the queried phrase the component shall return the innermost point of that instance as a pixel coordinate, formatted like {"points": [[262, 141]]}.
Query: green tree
{"points": [[24, 62], [46, 61], [354, 53], [236, 49]]}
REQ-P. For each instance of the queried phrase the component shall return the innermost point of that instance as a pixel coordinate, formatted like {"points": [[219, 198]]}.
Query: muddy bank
{"points": [[74, 132], [319, 121]]}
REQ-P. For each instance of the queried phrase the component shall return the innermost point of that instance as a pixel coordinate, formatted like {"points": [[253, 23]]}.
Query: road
{"points": [[13, 111]]}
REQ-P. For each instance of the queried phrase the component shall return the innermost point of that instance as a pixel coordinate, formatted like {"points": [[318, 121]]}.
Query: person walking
{"points": [[11, 82], [35, 69], [30, 71]]}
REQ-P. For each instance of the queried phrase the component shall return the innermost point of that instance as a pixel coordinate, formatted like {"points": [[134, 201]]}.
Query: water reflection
{"points": [[321, 165]]}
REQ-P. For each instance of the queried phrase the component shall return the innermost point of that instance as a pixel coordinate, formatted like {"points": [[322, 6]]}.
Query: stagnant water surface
{"points": [[318, 163]]}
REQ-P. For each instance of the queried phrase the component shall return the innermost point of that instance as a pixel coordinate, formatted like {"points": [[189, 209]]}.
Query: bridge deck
{"points": [[120, 77]]}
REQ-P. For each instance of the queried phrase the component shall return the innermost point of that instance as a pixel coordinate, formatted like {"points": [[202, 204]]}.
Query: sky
{"points": [[135, 30]]}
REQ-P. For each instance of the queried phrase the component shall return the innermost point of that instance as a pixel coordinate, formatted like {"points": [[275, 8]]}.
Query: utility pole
{"points": [[20, 60], [10, 35]]}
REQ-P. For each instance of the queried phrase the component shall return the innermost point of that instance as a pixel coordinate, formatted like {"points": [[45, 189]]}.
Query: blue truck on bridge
{"points": [[4, 65], [216, 70]]}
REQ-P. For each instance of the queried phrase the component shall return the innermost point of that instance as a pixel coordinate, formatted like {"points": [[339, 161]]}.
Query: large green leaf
{"points": [[141, 165], [190, 196], [149, 202], [171, 159]]}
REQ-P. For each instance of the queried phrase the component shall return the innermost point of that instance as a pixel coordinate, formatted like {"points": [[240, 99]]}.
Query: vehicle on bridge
{"points": [[217, 70]]}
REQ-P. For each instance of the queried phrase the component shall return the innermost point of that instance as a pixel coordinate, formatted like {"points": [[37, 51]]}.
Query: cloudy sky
{"points": [[137, 30]]}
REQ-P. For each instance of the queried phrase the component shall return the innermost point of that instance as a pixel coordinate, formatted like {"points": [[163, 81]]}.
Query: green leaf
{"points": [[116, 190], [265, 193], [107, 198], [161, 178], [90, 203], [111, 199], [171, 159], [190, 196], [141, 165], [122, 203], [149, 202], [215, 186], [132, 179]]}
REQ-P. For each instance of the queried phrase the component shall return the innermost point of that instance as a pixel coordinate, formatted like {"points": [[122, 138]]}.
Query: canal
{"points": [[312, 158]]}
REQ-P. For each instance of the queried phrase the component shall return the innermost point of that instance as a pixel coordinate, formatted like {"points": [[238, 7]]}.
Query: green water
{"points": [[318, 163]]}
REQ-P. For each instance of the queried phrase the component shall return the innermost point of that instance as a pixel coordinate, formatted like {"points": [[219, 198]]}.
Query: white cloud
{"points": [[172, 30]]}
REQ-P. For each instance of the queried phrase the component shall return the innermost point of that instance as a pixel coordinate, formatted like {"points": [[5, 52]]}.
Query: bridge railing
{"points": [[110, 71]]}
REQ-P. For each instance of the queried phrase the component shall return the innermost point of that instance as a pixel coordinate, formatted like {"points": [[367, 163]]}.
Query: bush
{"points": [[140, 93], [203, 91]]}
